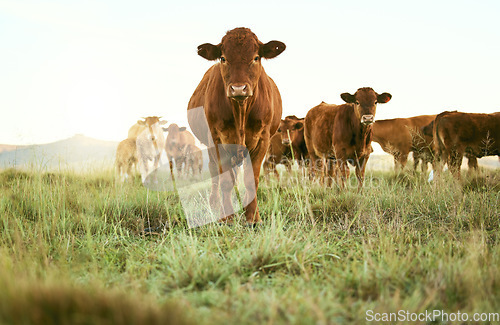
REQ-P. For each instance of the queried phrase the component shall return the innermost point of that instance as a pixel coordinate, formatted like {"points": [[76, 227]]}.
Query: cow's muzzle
{"points": [[367, 119], [239, 92], [286, 142]]}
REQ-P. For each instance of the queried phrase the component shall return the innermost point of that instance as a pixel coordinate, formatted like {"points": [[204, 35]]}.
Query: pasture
{"points": [[73, 251]]}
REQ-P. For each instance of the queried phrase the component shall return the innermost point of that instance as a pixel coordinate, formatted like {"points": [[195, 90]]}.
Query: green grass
{"points": [[72, 251]]}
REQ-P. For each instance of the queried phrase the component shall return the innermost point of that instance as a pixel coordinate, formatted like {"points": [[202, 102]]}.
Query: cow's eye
{"points": [[357, 103], [279, 129], [256, 58], [222, 59]]}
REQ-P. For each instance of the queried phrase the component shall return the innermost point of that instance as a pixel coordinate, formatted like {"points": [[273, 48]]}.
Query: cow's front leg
{"points": [[360, 170], [251, 179], [227, 182], [215, 169], [341, 172]]}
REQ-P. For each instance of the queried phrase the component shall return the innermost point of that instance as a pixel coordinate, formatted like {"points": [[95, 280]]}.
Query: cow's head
{"points": [[152, 123], [291, 128], [365, 103], [174, 134], [240, 53], [152, 132]]}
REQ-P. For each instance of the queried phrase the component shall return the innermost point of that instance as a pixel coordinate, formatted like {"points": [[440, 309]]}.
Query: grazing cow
{"points": [[472, 134], [400, 136], [427, 131], [150, 143], [126, 158], [240, 105], [343, 132], [193, 159], [286, 144], [177, 140]]}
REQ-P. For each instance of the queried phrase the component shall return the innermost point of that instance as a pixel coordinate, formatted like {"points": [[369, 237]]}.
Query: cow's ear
{"points": [[384, 98], [182, 129], [165, 129], [299, 125], [348, 98], [271, 49], [163, 122], [209, 51], [141, 122]]}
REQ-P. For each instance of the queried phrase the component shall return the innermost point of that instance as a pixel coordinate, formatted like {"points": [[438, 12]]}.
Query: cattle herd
{"points": [[237, 103]]}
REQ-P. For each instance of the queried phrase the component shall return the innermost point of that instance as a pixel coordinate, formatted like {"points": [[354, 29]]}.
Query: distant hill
{"points": [[78, 150], [8, 147]]}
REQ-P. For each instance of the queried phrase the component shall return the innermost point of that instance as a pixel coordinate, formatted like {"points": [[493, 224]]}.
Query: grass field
{"points": [[72, 251]]}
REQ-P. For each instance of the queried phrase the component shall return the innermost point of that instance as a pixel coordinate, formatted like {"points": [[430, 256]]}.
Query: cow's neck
{"points": [[240, 114], [362, 132]]}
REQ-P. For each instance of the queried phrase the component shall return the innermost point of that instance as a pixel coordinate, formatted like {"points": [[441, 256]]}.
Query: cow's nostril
{"points": [[239, 90], [367, 119]]}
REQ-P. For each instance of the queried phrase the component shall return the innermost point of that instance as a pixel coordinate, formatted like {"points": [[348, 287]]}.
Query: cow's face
{"points": [[291, 128], [365, 103], [153, 130], [153, 124], [240, 53], [174, 135]]}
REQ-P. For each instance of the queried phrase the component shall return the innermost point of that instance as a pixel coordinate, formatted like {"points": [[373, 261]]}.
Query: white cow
{"points": [[150, 144]]}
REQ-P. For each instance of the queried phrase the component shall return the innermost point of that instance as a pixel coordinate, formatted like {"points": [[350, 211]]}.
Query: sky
{"points": [[96, 67]]}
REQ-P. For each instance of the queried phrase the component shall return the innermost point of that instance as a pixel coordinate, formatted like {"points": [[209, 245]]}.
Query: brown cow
{"points": [[427, 131], [400, 136], [193, 159], [242, 106], [343, 132], [287, 144], [457, 134], [126, 158], [177, 140]]}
